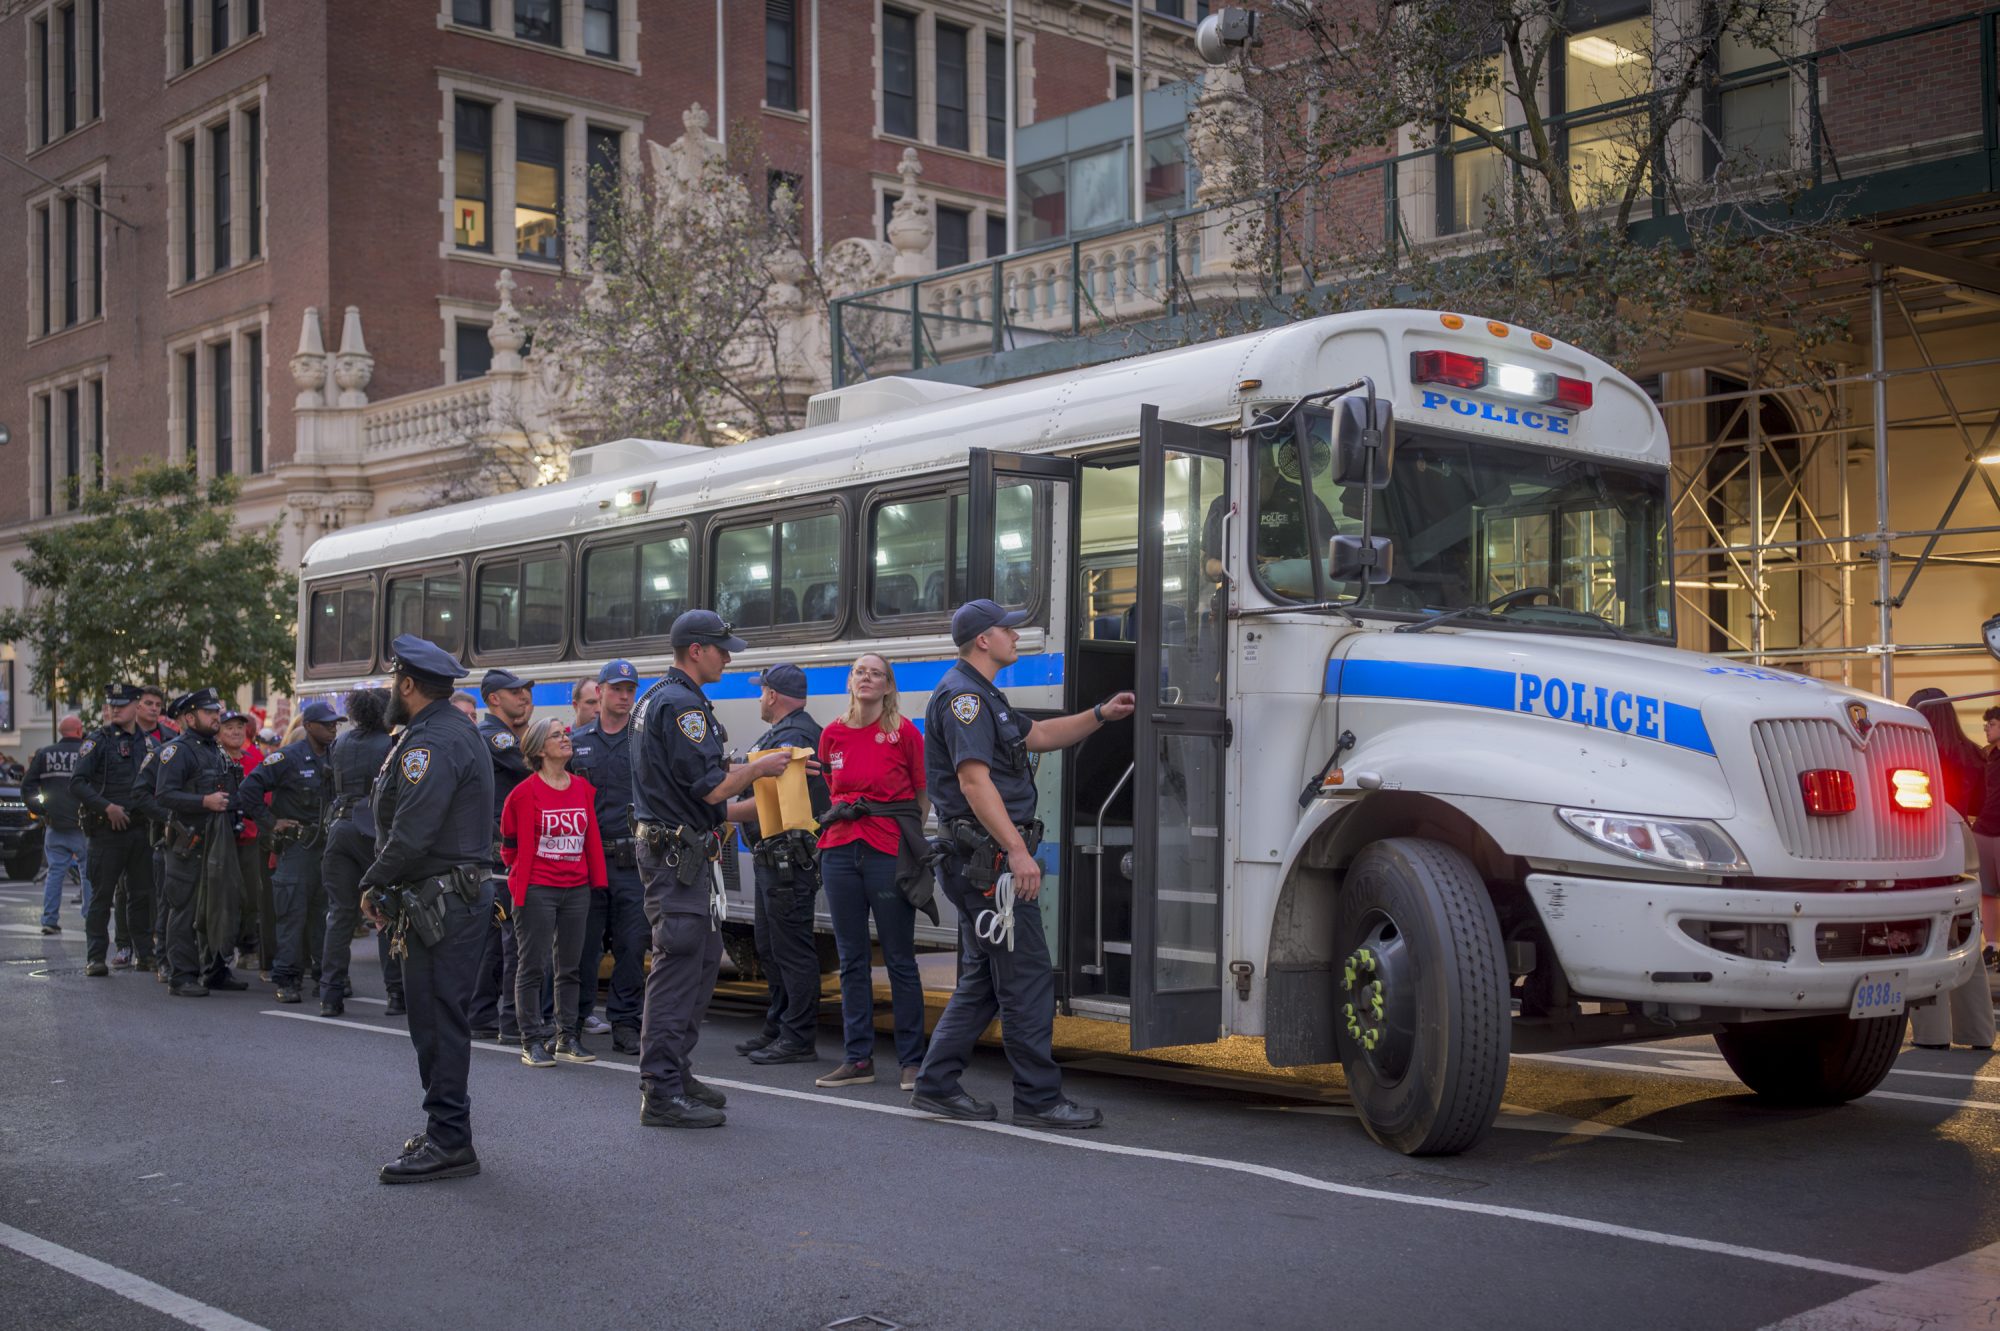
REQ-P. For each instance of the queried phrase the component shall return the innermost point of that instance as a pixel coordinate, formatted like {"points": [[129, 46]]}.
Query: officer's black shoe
{"points": [[332, 1007], [396, 1006], [1061, 1114], [784, 1051], [569, 1049], [48, 929], [285, 994], [624, 1040], [702, 1091], [430, 1161], [536, 1054], [485, 1032], [189, 991], [678, 1111], [960, 1105], [96, 969], [230, 983], [755, 1042]]}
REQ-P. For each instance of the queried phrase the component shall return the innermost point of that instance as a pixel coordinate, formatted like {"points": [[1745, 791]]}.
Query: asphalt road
{"points": [[217, 1158]]}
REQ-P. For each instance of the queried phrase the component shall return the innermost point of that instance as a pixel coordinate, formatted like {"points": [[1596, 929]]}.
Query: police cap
{"points": [[199, 700], [497, 678], [706, 626], [233, 715], [975, 617], [618, 672], [785, 678], [424, 660], [320, 713], [121, 695]]}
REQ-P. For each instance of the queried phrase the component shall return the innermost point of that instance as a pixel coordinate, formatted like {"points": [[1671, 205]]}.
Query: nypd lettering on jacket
{"points": [[1547, 421]]}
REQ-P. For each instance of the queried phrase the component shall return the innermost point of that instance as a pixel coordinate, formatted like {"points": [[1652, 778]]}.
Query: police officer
{"points": [[603, 756], [682, 784], [155, 732], [45, 790], [194, 789], [296, 779], [356, 756], [786, 869], [110, 805], [977, 770], [433, 809], [510, 705]]}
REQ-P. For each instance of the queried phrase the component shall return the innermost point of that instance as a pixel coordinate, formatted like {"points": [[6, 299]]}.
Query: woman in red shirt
{"points": [[555, 858], [875, 757], [258, 938]]}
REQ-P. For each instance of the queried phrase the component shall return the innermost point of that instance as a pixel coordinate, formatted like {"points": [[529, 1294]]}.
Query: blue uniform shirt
{"points": [[797, 731], [970, 720], [433, 799], [509, 770], [356, 756], [678, 757], [296, 779], [190, 768], [604, 759]]}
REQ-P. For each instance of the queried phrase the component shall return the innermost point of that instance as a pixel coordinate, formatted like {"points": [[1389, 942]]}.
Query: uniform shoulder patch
{"points": [[503, 740], [88, 745], [167, 754], [693, 724], [277, 757], [966, 708], [416, 763]]}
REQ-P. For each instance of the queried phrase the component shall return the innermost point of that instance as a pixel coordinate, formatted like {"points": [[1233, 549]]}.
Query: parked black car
{"points": [[20, 833]]}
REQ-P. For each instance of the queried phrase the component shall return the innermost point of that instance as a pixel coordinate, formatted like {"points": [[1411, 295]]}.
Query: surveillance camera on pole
{"points": [[1225, 35]]}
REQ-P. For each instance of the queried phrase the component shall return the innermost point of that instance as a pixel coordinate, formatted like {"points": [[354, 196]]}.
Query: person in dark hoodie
{"points": [[1965, 1015]]}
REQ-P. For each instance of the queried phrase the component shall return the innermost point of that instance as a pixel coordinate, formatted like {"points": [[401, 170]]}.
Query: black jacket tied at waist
{"points": [[913, 852]]}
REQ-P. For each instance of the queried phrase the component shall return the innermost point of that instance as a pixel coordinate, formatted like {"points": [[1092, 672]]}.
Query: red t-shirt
{"points": [[549, 837], [866, 764], [252, 758]]}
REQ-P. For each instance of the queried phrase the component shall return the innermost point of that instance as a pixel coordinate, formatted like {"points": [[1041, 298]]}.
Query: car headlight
{"points": [[1678, 843]]}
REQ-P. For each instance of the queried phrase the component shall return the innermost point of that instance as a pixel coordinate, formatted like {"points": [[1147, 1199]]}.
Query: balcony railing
{"points": [[1922, 100]]}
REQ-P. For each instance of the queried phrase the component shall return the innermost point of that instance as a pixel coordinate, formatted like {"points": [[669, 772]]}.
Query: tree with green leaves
{"points": [[154, 581]]}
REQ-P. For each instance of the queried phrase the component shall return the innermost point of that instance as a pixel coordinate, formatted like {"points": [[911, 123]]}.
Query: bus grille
{"points": [[1875, 830]]}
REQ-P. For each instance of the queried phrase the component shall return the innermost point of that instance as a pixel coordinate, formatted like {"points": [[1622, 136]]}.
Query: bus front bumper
{"points": [[1644, 942]]}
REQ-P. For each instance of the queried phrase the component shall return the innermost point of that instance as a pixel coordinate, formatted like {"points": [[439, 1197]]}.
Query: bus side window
{"points": [[340, 623], [1016, 562], [907, 539], [519, 603], [430, 605], [778, 573]]}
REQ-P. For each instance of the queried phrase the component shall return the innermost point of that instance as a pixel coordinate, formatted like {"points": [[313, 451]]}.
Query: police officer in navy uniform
{"points": [[976, 747], [433, 809], [110, 801], [194, 788], [786, 870], [510, 706], [602, 755], [296, 778], [682, 783], [357, 755]]}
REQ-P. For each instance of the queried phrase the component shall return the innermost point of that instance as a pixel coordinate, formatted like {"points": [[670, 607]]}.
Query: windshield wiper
{"points": [[1587, 617], [1463, 612]]}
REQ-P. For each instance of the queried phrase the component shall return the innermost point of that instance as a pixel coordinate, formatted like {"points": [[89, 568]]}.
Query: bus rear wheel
{"points": [[1422, 1017], [1804, 1061]]}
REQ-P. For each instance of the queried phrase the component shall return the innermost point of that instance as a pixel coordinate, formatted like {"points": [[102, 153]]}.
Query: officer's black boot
{"points": [[423, 1160], [702, 1091], [677, 1111]]}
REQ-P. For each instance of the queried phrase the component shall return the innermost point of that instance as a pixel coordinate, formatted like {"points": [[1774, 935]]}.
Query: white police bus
{"points": [[1416, 777]]}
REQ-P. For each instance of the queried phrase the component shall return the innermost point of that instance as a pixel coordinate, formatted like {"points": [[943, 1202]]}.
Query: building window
{"points": [[187, 33], [218, 156], [1751, 123], [538, 181], [218, 26], [71, 267], [888, 212], [602, 153], [253, 356], [781, 55], [72, 446], [253, 18], [996, 235], [1121, 83], [996, 97], [899, 73], [68, 17], [96, 60], [777, 180], [954, 124], [41, 41], [225, 420], [472, 13], [96, 476], [253, 155], [190, 368], [45, 406], [471, 352], [96, 224], [190, 190], [47, 260], [600, 28], [1469, 174], [1610, 63], [538, 21], [472, 139], [954, 236]]}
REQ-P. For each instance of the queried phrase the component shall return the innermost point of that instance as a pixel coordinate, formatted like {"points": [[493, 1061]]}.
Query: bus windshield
{"points": [[1472, 521]]}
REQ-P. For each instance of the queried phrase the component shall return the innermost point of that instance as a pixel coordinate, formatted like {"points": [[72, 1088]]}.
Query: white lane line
{"points": [[1698, 1073], [1658, 1238], [123, 1283], [1957, 1295]]}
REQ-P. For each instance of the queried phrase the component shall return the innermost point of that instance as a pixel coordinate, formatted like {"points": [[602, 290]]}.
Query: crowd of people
{"points": [[493, 911]]}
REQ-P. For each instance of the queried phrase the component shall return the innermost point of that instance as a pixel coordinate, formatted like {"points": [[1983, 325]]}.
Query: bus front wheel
{"points": [[1812, 1060], [1421, 1010]]}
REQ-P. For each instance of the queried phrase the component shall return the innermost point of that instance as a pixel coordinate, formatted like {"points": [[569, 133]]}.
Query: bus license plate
{"points": [[1878, 994]]}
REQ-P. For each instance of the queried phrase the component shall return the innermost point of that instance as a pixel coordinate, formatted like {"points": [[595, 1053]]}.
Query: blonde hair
{"points": [[892, 715], [537, 739]]}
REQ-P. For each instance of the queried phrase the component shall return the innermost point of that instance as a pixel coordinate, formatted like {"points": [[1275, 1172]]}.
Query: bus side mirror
{"points": [[1345, 429], [1990, 631], [1369, 559]]}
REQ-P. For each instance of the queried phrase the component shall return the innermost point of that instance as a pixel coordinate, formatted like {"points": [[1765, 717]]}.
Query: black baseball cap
{"points": [[706, 626], [618, 672], [784, 678], [975, 617], [320, 713], [498, 678]]}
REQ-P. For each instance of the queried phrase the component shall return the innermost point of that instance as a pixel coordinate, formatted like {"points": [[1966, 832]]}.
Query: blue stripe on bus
{"points": [[1041, 670], [1423, 681]]}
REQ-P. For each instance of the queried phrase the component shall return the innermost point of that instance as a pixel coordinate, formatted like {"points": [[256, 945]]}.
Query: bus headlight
{"points": [[1678, 843]]}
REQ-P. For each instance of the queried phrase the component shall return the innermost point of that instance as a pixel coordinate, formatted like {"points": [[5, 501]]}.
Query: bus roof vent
{"points": [[620, 455], [877, 397]]}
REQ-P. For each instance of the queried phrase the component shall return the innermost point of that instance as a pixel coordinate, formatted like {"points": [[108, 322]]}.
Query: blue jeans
{"points": [[295, 884], [860, 880], [62, 849]]}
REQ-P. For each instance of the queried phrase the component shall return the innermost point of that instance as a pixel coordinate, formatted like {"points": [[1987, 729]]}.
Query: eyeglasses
{"points": [[869, 672]]}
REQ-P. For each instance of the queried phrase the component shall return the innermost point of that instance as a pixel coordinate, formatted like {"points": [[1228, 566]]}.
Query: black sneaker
{"points": [[48, 929], [569, 1049], [230, 983], [96, 969], [536, 1054], [286, 994], [754, 1043], [784, 1051], [486, 1033], [430, 1161], [189, 991], [332, 1007], [396, 1006], [624, 1040], [702, 1091], [959, 1105], [1061, 1114], [678, 1111]]}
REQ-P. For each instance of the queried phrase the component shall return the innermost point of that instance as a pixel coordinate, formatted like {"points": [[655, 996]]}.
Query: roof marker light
{"points": [[1451, 321], [1498, 329], [1541, 340]]}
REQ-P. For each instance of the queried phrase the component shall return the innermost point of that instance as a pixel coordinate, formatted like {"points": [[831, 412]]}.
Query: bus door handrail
{"points": [[1097, 849]]}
